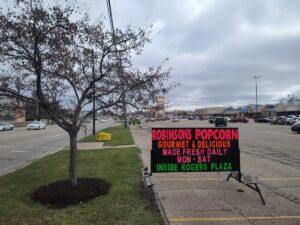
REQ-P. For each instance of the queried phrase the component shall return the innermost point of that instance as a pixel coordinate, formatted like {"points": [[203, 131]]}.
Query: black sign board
{"points": [[195, 150]]}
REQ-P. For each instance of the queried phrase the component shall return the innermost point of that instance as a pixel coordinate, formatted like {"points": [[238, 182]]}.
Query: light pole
{"points": [[256, 77]]}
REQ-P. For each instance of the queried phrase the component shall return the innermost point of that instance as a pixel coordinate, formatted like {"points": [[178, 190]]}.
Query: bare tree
{"points": [[56, 57]]}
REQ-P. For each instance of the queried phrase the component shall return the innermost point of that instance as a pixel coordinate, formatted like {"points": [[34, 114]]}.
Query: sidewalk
{"points": [[206, 198], [98, 145]]}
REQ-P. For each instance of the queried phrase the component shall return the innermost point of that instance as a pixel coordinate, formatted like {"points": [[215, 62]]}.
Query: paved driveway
{"points": [[270, 152]]}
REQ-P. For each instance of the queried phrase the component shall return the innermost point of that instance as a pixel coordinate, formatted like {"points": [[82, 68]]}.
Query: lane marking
{"points": [[280, 178], [189, 179], [20, 151], [55, 136], [49, 147], [215, 179], [207, 219], [7, 146]]}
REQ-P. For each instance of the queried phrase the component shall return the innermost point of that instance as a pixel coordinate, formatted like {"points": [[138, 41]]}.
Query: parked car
{"points": [[36, 125], [262, 120], [228, 119], [243, 120], [290, 119], [149, 120], [296, 127], [6, 126], [220, 121], [239, 119], [103, 121], [233, 120], [278, 120], [296, 121], [175, 119], [191, 118], [211, 119]]}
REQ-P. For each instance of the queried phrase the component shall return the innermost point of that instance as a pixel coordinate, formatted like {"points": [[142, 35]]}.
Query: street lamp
{"points": [[256, 77]]}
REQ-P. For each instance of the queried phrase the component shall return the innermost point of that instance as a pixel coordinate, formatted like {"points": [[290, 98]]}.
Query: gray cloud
{"points": [[217, 46]]}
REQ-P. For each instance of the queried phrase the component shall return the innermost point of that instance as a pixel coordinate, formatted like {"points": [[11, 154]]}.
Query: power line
{"points": [[117, 53], [111, 19]]}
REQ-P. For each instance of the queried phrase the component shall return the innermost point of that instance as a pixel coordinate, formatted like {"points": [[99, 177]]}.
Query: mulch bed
{"points": [[61, 194]]}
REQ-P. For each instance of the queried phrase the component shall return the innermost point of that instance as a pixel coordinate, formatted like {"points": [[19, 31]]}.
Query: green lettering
{"points": [[229, 167], [160, 167], [182, 167]]}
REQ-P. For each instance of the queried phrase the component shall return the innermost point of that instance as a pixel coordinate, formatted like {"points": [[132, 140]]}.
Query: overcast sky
{"points": [[217, 47]]}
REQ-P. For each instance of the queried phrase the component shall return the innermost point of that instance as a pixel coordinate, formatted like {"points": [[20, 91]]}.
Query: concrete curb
{"points": [[156, 197], [99, 146]]}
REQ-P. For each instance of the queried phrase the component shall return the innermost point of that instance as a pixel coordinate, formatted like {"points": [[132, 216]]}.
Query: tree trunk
{"points": [[73, 158]]}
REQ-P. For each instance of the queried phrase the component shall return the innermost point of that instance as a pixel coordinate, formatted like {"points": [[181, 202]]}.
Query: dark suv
{"points": [[220, 121]]}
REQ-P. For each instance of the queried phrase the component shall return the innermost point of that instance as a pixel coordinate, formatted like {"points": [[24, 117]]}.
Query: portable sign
{"points": [[195, 150]]}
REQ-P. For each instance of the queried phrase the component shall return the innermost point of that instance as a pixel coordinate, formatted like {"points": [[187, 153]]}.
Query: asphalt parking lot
{"points": [[270, 152]]}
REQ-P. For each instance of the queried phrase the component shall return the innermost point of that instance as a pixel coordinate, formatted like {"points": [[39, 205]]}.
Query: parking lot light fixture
{"points": [[256, 109]]}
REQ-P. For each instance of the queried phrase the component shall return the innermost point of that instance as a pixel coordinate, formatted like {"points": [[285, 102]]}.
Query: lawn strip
{"points": [[120, 136], [126, 203]]}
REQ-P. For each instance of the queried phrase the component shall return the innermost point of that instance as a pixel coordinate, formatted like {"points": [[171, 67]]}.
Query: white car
{"points": [[228, 119], [175, 119], [36, 125], [290, 119], [296, 121], [6, 126], [103, 120]]}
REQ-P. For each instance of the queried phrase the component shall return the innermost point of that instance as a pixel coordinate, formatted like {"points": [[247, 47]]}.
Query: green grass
{"points": [[90, 138], [120, 136], [126, 203]]}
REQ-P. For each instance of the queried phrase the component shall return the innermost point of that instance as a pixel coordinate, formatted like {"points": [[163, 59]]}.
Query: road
{"points": [[20, 146], [270, 152]]}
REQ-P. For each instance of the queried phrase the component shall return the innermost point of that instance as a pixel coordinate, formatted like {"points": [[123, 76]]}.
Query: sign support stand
{"points": [[250, 181], [153, 198]]}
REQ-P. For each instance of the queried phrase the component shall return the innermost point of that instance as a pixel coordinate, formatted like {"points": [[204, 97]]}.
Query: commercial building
{"points": [[212, 111], [288, 108], [11, 110], [283, 108], [160, 107]]}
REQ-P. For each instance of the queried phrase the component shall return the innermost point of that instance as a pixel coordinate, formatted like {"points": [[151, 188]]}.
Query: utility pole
{"points": [[94, 93], [256, 109], [37, 108], [36, 104], [118, 56]]}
